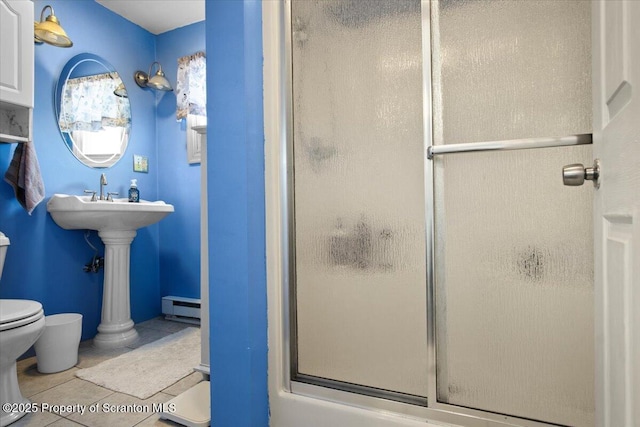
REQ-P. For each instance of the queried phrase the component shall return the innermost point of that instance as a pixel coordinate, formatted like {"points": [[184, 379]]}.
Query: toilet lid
{"points": [[14, 310]]}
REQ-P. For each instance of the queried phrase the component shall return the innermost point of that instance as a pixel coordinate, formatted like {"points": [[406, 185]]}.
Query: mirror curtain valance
{"points": [[89, 104]]}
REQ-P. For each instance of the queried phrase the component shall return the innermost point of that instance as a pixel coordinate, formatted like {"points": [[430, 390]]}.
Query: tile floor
{"points": [[63, 388]]}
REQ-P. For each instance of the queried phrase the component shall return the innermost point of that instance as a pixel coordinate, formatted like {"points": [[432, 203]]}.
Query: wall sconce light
{"points": [[157, 81], [49, 30]]}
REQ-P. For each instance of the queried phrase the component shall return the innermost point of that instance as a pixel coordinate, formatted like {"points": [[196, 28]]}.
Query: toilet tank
{"points": [[4, 245]]}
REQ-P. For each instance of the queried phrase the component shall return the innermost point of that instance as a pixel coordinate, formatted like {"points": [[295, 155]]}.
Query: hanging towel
{"points": [[24, 176]]}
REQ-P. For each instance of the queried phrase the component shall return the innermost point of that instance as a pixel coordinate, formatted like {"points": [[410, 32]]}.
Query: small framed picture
{"points": [[140, 163]]}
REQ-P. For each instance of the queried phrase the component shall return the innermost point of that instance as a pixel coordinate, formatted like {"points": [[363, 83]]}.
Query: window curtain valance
{"points": [[89, 104], [191, 92]]}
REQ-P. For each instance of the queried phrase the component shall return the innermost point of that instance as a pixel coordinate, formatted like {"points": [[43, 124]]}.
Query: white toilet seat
{"points": [[15, 313]]}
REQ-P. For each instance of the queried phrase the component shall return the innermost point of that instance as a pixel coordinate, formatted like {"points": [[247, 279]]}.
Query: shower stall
{"points": [[435, 263]]}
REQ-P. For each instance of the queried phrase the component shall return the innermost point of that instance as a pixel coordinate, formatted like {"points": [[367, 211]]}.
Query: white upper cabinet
{"points": [[16, 70], [16, 44]]}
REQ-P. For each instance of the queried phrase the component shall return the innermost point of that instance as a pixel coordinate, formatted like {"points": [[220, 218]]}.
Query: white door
{"points": [[616, 124]]}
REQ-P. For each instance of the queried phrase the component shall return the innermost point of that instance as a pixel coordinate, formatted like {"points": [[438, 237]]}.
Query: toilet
{"points": [[21, 324]]}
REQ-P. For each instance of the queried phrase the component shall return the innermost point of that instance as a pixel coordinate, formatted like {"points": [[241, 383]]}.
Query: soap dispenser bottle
{"points": [[134, 193]]}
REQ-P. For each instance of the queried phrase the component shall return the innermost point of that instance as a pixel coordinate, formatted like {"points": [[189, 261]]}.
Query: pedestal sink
{"points": [[116, 222]]}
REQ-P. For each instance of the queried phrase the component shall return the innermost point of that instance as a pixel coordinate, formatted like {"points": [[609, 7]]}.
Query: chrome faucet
{"points": [[103, 182]]}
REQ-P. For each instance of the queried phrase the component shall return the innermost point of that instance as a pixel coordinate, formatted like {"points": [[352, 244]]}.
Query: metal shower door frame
{"points": [[349, 394]]}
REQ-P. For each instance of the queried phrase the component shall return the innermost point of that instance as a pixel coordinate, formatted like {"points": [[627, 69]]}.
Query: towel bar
{"points": [[512, 144]]}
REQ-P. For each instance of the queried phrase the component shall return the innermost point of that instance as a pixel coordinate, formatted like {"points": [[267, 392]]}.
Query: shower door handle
{"points": [[576, 174]]}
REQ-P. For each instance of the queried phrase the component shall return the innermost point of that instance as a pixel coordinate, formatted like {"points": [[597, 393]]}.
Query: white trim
{"points": [[204, 251]]}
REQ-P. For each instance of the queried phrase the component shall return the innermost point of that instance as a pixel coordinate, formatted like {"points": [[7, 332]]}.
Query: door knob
{"points": [[576, 173]]}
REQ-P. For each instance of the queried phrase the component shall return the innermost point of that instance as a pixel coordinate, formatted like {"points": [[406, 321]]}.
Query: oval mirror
{"points": [[93, 110]]}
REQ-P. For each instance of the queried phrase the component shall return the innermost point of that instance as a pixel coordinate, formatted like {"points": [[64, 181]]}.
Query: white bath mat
{"points": [[151, 368]]}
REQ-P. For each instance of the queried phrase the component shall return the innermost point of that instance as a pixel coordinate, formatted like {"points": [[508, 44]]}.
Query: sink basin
{"points": [[79, 212]]}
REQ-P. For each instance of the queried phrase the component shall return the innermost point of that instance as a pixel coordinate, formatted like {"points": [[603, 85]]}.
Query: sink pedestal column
{"points": [[116, 327]]}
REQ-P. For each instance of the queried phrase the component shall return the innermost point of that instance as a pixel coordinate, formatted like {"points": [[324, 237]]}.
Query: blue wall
{"points": [[178, 181], [235, 152], [44, 262]]}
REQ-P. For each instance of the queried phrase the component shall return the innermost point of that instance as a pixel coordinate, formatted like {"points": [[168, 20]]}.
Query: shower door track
{"points": [[512, 144]]}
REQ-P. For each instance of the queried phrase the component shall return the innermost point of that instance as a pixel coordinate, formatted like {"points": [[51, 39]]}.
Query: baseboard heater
{"points": [[181, 309]]}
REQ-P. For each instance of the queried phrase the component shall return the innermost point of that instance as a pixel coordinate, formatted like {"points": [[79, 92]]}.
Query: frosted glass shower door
{"points": [[358, 256], [513, 246]]}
